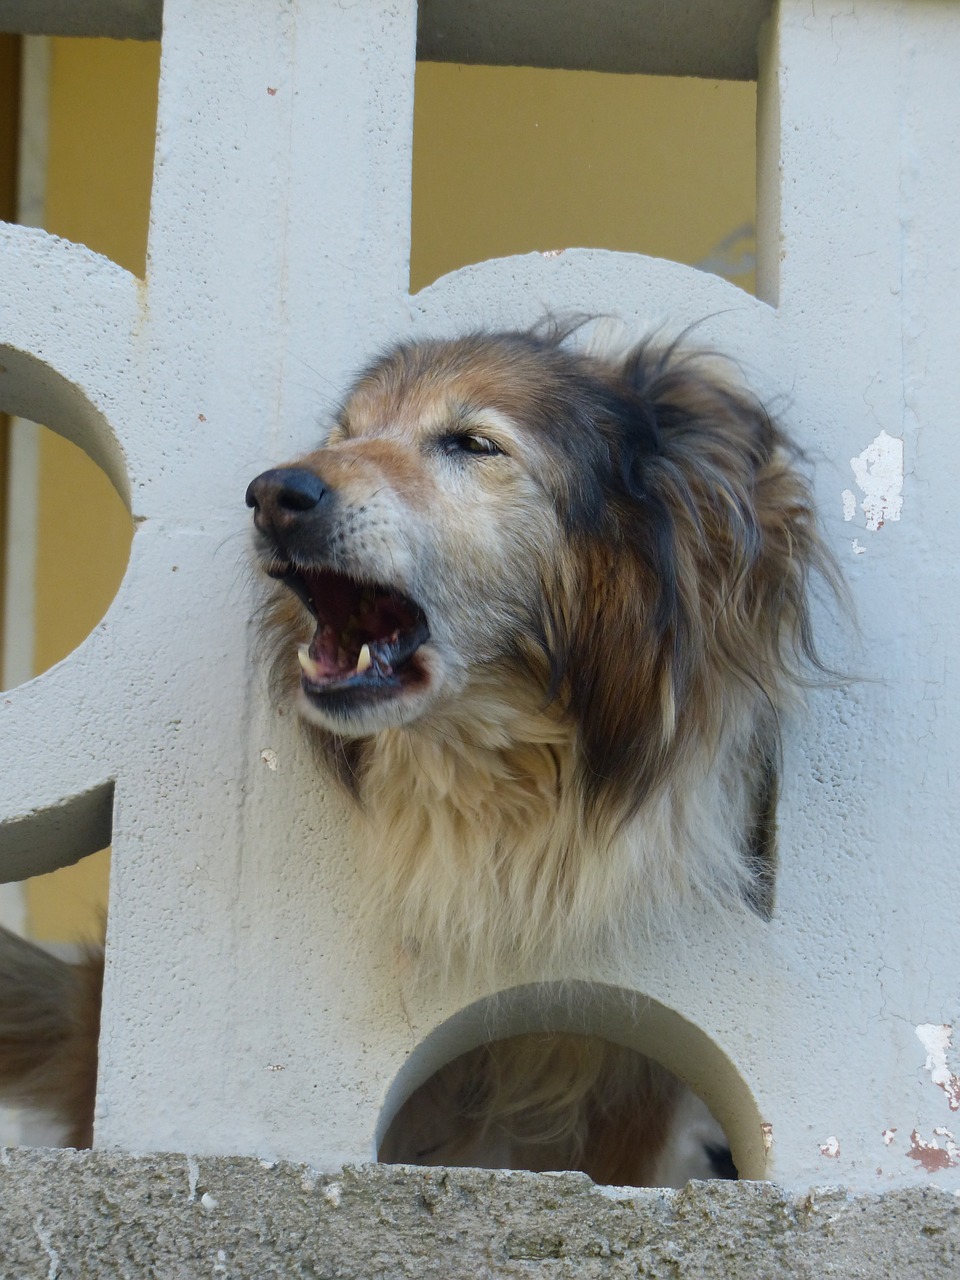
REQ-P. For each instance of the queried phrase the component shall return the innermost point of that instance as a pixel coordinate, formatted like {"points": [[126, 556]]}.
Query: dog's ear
{"points": [[690, 617], [49, 1028]]}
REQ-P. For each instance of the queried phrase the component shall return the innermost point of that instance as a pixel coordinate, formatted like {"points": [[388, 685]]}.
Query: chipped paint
{"points": [[830, 1148], [931, 1155], [936, 1039], [878, 472], [766, 1133], [269, 758], [887, 1136], [858, 548], [551, 253]]}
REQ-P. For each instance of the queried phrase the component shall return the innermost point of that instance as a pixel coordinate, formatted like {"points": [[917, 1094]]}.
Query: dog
{"points": [[541, 610]]}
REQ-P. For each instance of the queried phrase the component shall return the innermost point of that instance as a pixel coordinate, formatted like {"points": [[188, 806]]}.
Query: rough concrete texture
{"points": [[80, 1214], [239, 998]]}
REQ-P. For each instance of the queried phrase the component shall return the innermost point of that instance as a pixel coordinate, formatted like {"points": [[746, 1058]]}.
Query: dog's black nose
{"points": [[285, 490]]}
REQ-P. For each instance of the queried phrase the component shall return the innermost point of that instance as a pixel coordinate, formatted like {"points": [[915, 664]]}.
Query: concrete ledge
{"points": [[122, 19], [66, 1214], [714, 38]]}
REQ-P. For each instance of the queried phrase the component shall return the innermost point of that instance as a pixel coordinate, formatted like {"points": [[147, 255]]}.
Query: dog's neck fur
{"points": [[484, 854]]}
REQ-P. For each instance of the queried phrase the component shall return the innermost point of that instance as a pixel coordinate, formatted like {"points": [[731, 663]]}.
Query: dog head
{"points": [[625, 540]]}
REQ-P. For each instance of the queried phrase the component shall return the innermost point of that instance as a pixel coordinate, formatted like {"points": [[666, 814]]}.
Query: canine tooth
{"points": [[310, 668], [364, 660]]}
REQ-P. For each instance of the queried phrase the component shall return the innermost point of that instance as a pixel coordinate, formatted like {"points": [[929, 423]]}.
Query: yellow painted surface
{"points": [[511, 159], [103, 106], [103, 118], [506, 160]]}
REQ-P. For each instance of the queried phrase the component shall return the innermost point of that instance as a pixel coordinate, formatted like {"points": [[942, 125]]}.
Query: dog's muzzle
{"points": [[367, 633]]}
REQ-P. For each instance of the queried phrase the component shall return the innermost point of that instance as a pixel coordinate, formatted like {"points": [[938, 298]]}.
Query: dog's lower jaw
{"points": [[351, 714]]}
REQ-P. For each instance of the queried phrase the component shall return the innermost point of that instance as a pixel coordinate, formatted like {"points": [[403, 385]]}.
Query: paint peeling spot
{"points": [[193, 1177], [272, 92], [766, 1133], [936, 1038], [887, 1136], [201, 417], [858, 548], [333, 1194], [849, 499], [269, 758], [830, 1148], [930, 1155], [552, 253], [275, 1066], [878, 472]]}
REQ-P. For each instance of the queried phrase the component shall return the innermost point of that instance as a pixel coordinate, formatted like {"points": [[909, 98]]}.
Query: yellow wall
{"points": [[103, 106], [510, 159], [505, 160]]}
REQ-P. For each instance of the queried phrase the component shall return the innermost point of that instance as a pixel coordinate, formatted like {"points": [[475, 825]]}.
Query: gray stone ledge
{"points": [[66, 1215]]}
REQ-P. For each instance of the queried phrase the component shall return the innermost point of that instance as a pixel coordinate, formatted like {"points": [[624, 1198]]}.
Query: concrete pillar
{"points": [[242, 1012]]}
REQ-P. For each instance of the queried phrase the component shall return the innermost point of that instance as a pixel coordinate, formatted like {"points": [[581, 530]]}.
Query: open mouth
{"points": [[366, 636]]}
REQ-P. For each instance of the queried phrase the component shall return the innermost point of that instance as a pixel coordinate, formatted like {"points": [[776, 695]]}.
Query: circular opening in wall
{"points": [[587, 1078], [551, 1101], [65, 525]]}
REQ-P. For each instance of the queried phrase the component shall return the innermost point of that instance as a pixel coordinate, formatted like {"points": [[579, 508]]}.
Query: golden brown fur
{"points": [[556, 703], [541, 1102], [611, 557], [600, 565], [49, 1025]]}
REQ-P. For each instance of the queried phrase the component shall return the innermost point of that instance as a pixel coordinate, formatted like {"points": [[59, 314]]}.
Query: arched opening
{"points": [[574, 1076]]}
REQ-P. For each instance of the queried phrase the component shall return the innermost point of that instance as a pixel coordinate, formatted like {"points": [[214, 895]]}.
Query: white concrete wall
{"points": [[240, 1014]]}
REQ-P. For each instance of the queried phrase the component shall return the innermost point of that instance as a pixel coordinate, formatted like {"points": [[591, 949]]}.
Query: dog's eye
{"points": [[467, 442]]}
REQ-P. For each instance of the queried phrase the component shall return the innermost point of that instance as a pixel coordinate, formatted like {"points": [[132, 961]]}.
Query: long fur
{"points": [[611, 555], [49, 1026], [618, 616], [542, 1102]]}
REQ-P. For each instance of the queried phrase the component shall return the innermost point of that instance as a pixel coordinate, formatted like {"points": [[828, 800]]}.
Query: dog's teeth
{"points": [[364, 660], [310, 668]]}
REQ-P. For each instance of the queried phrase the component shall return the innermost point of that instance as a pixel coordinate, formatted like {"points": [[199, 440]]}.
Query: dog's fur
{"points": [[611, 559], [49, 1026], [547, 1102], [537, 1102], [556, 704]]}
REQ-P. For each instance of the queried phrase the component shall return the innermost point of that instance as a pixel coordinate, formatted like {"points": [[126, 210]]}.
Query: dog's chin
{"points": [[367, 703]]}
